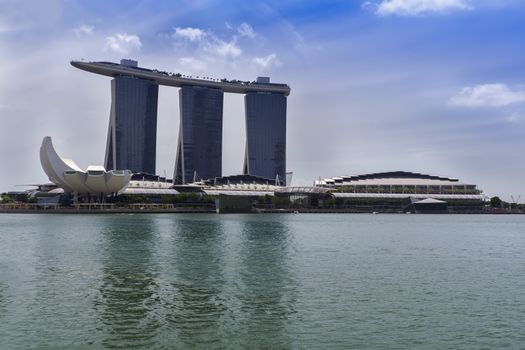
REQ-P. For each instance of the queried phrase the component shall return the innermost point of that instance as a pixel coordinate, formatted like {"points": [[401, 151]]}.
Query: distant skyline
{"points": [[431, 86]]}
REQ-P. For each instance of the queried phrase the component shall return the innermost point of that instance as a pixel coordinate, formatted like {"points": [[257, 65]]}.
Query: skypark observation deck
{"points": [[111, 69]]}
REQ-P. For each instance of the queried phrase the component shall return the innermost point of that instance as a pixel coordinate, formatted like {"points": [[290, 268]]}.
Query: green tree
{"points": [[207, 199], [495, 202], [194, 197], [166, 199], [330, 202], [7, 199], [281, 201]]}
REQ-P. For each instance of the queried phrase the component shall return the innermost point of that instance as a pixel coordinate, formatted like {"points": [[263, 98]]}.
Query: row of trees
{"points": [[277, 201], [21, 198], [496, 202], [181, 198]]}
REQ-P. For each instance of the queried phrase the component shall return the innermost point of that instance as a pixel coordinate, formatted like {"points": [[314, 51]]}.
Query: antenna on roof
{"points": [[277, 181], [196, 176]]}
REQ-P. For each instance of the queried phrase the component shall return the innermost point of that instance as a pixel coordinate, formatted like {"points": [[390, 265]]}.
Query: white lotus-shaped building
{"points": [[65, 173]]}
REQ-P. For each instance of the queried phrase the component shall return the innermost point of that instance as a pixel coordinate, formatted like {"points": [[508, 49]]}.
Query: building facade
{"points": [[400, 184], [132, 129], [265, 153], [199, 151], [132, 132]]}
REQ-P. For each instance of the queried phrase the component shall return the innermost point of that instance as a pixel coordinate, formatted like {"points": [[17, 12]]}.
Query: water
{"points": [[262, 281]]}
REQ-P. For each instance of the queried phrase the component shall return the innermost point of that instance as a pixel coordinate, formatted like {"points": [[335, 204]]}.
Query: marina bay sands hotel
{"points": [[132, 133]]}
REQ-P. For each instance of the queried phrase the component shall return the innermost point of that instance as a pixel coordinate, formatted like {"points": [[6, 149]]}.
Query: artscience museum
{"points": [[66, 174]]}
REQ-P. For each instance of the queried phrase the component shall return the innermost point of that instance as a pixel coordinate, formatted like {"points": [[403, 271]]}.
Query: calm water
{"points": [[262, 281]]}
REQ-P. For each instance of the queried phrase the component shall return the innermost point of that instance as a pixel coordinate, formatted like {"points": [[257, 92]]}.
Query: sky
{"points": [[431, 86]]}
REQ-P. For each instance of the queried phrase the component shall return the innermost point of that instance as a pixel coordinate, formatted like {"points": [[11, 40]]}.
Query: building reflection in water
{"points": [[268, 290], [201, 281], [2, 300], [128, 298], [197, 302]]}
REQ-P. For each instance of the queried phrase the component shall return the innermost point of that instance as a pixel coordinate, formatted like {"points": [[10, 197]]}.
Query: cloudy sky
{"points": [[433, 86]]}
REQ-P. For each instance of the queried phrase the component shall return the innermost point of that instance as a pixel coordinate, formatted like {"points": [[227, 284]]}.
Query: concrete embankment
{"points": [[106, 211]]}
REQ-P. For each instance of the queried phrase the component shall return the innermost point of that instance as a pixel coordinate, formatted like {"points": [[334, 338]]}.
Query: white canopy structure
{"points": [[66, 174]]}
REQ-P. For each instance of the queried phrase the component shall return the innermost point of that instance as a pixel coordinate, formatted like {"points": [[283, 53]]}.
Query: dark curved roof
{"points": [[396, 175]]}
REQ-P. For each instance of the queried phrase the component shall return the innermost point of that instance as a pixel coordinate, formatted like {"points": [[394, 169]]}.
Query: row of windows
{"points": [[413, 189]]}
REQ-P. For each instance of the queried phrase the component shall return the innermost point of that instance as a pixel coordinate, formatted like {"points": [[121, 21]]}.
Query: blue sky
{"points": [[433, 86]]}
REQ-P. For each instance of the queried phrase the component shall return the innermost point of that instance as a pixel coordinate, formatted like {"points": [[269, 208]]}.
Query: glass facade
{"points": [[265, 153], [199, 151], [132, 134]]}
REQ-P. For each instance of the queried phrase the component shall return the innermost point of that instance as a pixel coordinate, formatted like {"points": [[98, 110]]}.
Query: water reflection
{"points": [[197, 303], [54, 295], [5, 331], [128, 294], [269, 289], [2, 300]]}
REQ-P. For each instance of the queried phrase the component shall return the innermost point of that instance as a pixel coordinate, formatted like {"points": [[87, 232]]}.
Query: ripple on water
{"points": [[261, 281]]}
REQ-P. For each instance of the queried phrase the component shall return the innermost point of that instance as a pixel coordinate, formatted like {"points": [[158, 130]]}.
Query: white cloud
{"points": [[123, 43], [415, 7], [266, 61], [208, 41], [246, 30], [188, 33], [487, 95], [83, 30], [226, 49], [193, 64]]}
